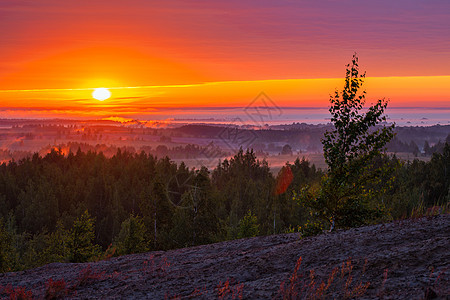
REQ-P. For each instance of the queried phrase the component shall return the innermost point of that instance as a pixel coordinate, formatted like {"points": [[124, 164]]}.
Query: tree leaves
{"points": [[347, 193]]}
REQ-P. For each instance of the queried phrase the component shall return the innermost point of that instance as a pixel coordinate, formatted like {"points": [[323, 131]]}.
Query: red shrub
{"points": [[88, 275], [308, 287], [56, 289], [228, 289], [18, 293]]}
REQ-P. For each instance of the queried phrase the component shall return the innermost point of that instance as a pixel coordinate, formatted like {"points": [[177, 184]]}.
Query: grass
{"points": [[422, 211], [306, 285]]}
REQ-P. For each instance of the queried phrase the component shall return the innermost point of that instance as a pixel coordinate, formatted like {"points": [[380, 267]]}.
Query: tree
{"points": [[287, 150], [57, 243], [427, 148], [245, 183], [157, 213], [196, 220], [81, 243], [348, 194], [248, 226], [132, 237], [437, 181], [8, 253], [414, 148]]}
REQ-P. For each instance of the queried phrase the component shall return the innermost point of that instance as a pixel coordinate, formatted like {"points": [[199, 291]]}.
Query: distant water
{"points": [[419, 116], [283, 115]]}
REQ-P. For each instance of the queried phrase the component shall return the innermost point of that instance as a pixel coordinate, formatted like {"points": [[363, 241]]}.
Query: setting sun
{"points": [[101, 94]]}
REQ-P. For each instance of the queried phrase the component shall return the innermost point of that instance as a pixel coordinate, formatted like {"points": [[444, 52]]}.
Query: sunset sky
{"points": [[158, 57]]}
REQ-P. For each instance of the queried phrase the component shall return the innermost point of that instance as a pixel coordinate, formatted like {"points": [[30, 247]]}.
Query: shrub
{"points": [[88, 275], [248, 226], [339, 282], [311, 228], [56, 289], [18, 293]]}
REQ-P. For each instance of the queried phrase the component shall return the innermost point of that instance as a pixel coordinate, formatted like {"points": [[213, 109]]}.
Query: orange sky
{"points": [[172, 54]]}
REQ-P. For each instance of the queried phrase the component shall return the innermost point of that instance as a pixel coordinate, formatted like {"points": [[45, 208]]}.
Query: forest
{"points": [[83, 206]]}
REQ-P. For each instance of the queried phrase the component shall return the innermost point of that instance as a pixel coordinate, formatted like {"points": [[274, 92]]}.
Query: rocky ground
{"points": [[400, 260]]}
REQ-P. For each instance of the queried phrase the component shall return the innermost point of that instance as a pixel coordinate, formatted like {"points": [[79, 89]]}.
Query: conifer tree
{"points": [[132, 237], [81, 243], [57, 244], [8, 254]]}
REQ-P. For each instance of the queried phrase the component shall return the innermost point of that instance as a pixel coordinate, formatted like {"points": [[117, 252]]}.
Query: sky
{"points": [[159, 57]]}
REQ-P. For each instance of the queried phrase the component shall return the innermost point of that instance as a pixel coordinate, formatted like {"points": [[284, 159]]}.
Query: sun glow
{"points": [[101, 94]]}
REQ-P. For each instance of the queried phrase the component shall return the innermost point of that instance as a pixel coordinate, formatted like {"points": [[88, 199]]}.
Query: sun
{"points": [[101, 94]]}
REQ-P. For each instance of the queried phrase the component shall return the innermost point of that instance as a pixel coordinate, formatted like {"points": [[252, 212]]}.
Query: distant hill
{"points": [[401, 260], [308, 137]]}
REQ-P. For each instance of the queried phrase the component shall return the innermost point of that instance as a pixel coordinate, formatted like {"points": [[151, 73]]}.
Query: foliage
{"points": [[244, 183], [88, 275], [351, 138], [285, 209], [229, 290], [53, 191], [419, 185], [195, 219], [16, 293], [157, 213], [287, 150], [81, 243], [57, 244], [309, 285], [7, 251], [348, 194], [56, 289], [132, 237], [437, 148], [311, 228], [248, 226]]}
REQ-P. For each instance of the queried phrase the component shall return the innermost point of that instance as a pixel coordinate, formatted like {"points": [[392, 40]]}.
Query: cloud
{"points": [[169, 54], [232, 40]]}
